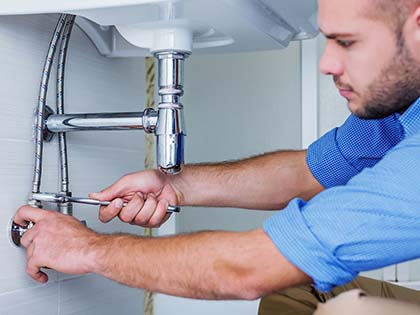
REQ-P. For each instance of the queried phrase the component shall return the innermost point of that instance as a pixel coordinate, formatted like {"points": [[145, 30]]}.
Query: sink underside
{"points": [[123, 28]]}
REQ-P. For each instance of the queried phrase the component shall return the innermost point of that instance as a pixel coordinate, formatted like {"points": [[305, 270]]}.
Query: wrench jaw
{"points": [[50, 197], [63, 201]]}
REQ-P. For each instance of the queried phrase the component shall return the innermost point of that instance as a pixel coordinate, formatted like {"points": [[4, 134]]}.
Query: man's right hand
{"points": [[266, 182], [147, 194]]}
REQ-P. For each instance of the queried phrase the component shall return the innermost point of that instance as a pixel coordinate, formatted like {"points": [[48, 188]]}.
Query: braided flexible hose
{"points": [[62, 58], [39, 121]]}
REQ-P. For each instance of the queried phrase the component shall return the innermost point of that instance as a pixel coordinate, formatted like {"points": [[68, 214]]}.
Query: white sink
{"points": [[136, 27]]}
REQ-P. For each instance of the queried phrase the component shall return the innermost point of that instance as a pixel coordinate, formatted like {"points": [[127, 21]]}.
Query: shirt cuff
{"points": [[292, 236], [327, 163]]}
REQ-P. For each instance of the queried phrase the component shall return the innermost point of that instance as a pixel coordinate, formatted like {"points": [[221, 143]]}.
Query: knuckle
{"points": [[102, 217], [110, 211], [154, 222], [40, 225], [29, 270], [125, 179], [24, 241], [125, 217], [140, 221]]}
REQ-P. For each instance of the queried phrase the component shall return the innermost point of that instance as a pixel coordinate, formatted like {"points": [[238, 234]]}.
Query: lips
{"points": [[346, 93], [345, 89]]}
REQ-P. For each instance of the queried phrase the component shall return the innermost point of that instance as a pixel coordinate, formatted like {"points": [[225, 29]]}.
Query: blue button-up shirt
{"points": [[369, 217]]}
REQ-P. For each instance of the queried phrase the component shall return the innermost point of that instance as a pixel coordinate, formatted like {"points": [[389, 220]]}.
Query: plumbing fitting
{"points": [[170, 129], [146, 120], [167, 122], [17, 231]]}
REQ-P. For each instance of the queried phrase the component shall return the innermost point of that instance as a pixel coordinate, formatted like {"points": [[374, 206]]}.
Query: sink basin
{"points": [[122, 28]]}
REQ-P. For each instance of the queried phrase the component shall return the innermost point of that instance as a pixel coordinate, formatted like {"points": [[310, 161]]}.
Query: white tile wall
{"points": [[236, 105], [93, 84]]}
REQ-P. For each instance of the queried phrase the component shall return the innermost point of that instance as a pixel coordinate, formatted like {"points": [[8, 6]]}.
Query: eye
{"points": [[344, 43]]}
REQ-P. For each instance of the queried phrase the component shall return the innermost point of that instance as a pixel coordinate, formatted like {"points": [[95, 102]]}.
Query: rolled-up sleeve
{"points": [[371, 222], [345, 151]]}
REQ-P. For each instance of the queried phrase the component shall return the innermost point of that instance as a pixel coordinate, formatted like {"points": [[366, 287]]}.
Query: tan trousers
{"points": [[363, 296]]}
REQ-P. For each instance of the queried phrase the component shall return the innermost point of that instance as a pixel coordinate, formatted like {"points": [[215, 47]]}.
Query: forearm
{"points": [[264, 182], [207, 265]]}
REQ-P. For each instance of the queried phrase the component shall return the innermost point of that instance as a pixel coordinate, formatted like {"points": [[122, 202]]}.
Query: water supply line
{"points": [[17, 231], [40, 111], [67, 207]]}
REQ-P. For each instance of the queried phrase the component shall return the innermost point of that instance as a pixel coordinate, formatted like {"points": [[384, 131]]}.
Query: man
{"points": [[367, 217]]}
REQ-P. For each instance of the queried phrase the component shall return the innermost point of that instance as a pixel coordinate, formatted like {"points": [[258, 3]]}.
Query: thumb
{"points": [[119, 189]]}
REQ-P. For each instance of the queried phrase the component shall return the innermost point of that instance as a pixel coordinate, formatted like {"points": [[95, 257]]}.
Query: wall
{"points": [[96, 160], [236, 106]]}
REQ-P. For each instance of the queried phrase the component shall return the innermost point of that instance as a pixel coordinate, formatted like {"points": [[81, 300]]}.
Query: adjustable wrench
{"points": [[62, 198]]}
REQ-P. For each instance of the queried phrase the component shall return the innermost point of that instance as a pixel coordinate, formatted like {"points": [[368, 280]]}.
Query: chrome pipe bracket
{"points": [[46, 134], [149, 120], [17, 231]]}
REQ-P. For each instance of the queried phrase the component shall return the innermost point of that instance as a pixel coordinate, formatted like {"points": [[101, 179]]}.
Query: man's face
{"points": [[371, 65]]}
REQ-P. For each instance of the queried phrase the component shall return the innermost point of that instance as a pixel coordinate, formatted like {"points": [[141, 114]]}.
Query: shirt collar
{"points": [[410, 119]]}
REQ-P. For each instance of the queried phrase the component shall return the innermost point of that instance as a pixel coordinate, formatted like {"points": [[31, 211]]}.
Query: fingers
{"points": [[160, 215], [153, 214], [130, 211], [28, 237], [33, 268], [34, 271], [106, 214], [147, 211], [27, 214]]}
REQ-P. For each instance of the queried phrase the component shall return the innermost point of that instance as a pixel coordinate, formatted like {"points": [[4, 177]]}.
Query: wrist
{"points": [[99, 248], [178, 185]]}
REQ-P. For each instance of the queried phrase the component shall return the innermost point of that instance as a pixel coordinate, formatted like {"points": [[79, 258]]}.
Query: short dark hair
{"points": [[393, 12]]}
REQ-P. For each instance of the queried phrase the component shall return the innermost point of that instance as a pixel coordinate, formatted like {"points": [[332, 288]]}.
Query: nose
{"points": [[331, 63]]}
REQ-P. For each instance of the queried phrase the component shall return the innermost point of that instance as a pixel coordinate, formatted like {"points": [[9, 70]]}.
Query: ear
{"points": [[411, 32]]}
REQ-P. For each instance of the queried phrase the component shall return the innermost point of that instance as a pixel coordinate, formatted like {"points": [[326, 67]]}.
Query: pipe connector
{"points": [[170, 133], [170, 129]]}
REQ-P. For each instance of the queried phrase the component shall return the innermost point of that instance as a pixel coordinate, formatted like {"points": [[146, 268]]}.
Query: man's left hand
{"points": [[56, 241]]}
